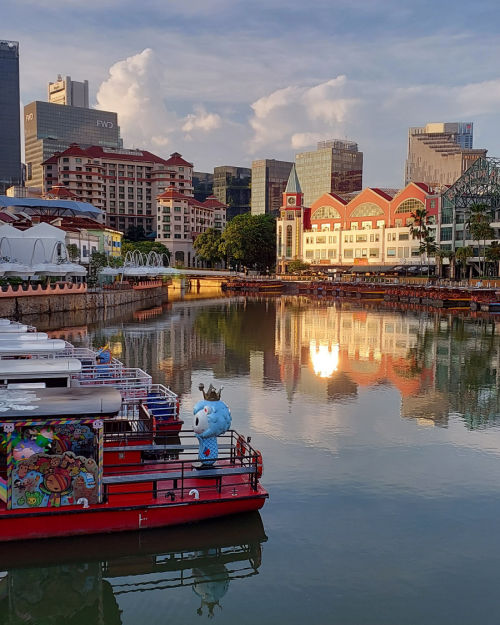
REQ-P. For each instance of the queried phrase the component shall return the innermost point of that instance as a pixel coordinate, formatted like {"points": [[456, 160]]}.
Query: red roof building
{"points": [[181, 219], [122, 183]]}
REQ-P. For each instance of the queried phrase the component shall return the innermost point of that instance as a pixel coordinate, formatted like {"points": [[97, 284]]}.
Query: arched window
{"points": [[179, 257], [289, 238], [409, 206], [367, 209], [326, 212]]}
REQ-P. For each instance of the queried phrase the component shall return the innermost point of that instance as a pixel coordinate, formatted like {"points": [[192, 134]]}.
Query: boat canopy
{"points": [[63, 402], [29, 336], [14, 327], [22, 348], [46, 367]]}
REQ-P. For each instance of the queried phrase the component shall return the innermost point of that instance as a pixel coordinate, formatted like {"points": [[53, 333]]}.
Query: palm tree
{"points": [[440, 256], [418, 227], [429, 248], [462, 254], [478, 224]]}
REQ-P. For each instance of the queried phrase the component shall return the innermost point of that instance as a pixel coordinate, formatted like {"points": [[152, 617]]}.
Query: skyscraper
{"points": [[439, 153], [50, 128], [70, 92], [232, 188], [335, 166], [10, 129], [269, 178]]}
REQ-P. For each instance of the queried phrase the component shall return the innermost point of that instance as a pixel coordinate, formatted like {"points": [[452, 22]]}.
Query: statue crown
{"points": [[211, 394]]}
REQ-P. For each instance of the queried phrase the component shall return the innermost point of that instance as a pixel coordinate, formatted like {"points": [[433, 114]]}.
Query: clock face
{"points": [[291, 201]]}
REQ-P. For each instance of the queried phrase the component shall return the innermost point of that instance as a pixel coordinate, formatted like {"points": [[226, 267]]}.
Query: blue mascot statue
{"points": [[212, 418]]}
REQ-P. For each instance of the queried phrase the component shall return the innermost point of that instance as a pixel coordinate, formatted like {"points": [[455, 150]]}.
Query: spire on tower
{"points": [[293, 184]]}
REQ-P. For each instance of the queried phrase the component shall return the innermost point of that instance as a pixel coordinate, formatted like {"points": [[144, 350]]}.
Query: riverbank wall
{"points": [[20, 307]]}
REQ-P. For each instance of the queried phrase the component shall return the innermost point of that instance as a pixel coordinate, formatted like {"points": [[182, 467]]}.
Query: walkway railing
{"points": [[22, 290]]}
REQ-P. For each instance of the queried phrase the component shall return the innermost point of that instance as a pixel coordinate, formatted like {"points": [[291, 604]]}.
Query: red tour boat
{"points": [[107, 456]]}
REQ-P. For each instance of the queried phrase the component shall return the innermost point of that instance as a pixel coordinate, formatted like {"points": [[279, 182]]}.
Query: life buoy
{"points": [[258, 463], [240, 447]]}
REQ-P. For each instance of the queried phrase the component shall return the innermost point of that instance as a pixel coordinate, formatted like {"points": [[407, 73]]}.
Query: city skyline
{"points": [[282, 77]]}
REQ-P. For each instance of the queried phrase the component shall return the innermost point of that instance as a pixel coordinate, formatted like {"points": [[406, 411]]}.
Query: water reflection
{"points": [[84, 581], [440, 364]]}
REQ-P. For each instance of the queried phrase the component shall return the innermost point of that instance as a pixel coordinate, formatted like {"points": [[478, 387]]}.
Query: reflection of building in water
{"points": [[97, 572], [328, 349]]}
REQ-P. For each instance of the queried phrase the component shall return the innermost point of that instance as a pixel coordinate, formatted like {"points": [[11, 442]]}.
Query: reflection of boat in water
{"points": [[76, 581]]}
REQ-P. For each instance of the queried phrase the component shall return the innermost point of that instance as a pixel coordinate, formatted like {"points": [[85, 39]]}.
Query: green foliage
{"points": [[298, 266], [478, 224], [73, 252], [135, 233], [207, 246], [145, 247], [250, 240]]}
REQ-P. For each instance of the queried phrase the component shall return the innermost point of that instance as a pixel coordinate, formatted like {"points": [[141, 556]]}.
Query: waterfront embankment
{"points": [[17, 307]]}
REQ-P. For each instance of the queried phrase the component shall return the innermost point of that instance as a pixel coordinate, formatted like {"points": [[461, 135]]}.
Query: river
{"points": [[379, 429]]}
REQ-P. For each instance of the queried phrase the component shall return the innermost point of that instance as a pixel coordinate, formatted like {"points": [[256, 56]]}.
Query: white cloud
{"points": [[298, 116], [201, 120]]}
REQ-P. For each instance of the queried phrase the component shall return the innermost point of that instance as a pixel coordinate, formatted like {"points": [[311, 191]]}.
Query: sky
{"points": [[225, 82]]}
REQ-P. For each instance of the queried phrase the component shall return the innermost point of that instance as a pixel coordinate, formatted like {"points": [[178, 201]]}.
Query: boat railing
{"points": [[131, 381], [169, 469]]}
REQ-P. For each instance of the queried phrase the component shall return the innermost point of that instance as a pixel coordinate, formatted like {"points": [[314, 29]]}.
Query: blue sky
{"points": [[226, 81]]}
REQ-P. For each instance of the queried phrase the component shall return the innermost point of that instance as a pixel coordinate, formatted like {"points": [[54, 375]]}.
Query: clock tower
{"points": [[290, 224]]}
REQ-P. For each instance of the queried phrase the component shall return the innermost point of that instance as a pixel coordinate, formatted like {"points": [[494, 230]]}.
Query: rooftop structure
{"points": [[69, 92]]}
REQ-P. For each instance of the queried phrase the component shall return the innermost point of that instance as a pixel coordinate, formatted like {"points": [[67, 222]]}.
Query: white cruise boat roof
{"points": [[28, 336], [23, 348], [15, 328], [46, 367], [67, 402]]}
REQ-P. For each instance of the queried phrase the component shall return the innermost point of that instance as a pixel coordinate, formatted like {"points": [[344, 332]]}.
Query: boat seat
{"points": [[161, 476]]}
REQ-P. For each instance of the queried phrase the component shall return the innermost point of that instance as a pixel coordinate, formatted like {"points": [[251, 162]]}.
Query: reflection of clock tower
{"points": [[290, 224]]}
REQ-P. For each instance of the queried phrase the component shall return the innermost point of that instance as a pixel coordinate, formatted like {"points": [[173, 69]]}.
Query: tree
{"points": [[73, 252], [135, 233], [250, 240], [419, 229], [98, 261], [207, 246], [145, 247], [298, 266], [478, 224], [462, 254], [428, 248], [492, 254], [440, 256]]}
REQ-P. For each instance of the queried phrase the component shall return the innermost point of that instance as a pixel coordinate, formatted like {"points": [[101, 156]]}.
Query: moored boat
{"points": [[91, 456]]}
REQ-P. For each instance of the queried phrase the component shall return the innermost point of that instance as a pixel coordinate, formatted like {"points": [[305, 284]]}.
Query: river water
{"points": [[379, 429]]}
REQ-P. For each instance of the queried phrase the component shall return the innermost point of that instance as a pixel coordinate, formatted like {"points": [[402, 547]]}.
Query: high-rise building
{"points": [[10, 122], [269, 179], [439, 153], [51, 128], [122, 183], [336, 166], [69, 92], [203, 185], [232, 188]]}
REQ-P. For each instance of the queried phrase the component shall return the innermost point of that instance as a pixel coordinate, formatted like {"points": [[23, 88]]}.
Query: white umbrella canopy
{"points": [[136, 271], [13, 268], [111, 271], [50, 269], [74, 269]]}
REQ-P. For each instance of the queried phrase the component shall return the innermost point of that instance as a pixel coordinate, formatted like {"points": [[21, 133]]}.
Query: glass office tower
{"points": [[10, 133], [50, 128]]}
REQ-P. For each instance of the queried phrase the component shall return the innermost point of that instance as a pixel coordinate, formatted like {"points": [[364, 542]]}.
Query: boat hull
{"points": [[105, 519]]}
